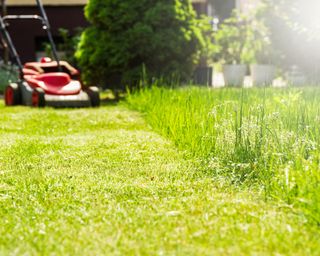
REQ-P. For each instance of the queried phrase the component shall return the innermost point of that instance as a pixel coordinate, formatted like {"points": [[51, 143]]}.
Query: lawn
{"points": [[105, 181]]}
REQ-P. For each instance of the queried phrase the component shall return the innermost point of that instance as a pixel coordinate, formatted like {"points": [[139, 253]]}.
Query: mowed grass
{"points": [[101, 181]]}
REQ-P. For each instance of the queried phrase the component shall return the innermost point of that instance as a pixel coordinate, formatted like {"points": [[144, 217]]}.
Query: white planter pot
{"points": [[262, 75], [234, 74], [295, 77]]}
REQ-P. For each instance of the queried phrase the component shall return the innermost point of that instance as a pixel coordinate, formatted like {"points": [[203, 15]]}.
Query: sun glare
{"points": [[307, 15]]}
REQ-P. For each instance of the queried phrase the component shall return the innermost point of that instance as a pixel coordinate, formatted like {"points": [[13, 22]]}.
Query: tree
{"points": [[129, 36]]}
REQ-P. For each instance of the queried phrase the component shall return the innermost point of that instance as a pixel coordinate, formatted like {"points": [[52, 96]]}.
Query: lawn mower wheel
{"points": [[12, 95], [38, 98], [93, 93]]}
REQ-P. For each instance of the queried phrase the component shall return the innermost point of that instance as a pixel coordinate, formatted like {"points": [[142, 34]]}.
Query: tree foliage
{"points": [[244, 38], [163, 37], [231, 39]]}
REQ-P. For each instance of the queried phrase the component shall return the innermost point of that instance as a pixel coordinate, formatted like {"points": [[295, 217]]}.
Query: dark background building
{"points": [[28, 35]]}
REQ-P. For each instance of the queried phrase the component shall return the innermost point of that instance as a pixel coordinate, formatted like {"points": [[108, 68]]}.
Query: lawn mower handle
{"points": [[46, 26], [8, 39], [48, 29]]}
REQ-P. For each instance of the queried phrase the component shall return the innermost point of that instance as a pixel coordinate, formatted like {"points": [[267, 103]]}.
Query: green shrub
{"points": [[162, 37], [8, 73], [69, 43], [67, 46]]}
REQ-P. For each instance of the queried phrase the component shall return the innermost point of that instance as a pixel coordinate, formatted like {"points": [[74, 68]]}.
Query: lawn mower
{"points": [[47, 82]]}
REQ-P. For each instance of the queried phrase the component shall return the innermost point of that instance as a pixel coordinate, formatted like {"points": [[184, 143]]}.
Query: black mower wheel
{"points": [[94, 95], [38, 99], [12, 95]]}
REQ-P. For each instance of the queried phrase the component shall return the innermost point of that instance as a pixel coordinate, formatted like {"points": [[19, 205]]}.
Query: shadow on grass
{"points": [[109, 102], [110, 99], [107, 99]]}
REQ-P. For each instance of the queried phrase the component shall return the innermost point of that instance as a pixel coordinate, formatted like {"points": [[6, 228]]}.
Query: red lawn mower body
{"points": [[55, 83], [45, 83]]}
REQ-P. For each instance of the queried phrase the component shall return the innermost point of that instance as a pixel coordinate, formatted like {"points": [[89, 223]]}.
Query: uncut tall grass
{"points": [[267, 138]]}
